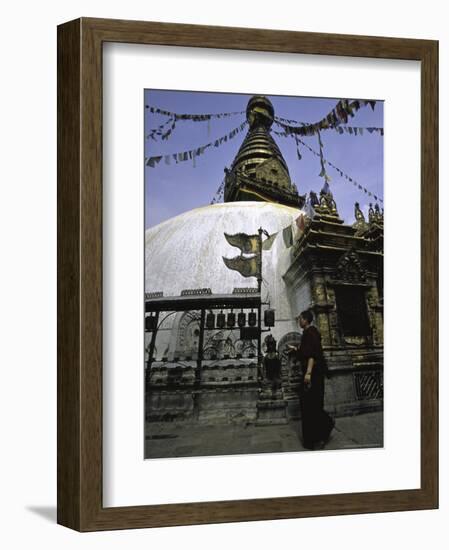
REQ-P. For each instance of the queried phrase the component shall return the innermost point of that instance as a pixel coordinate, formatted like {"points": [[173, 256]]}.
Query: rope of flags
{"points": [[358, 130], [159, 130], [193, 153], [196, 118], [323, 163], [339, 114], [323, 173], [343, 174], [218, 193], [353, 130], [163, 133]]}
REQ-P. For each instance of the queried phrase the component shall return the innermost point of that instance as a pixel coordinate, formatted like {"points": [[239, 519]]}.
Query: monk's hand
{"points": [[308, 380]]}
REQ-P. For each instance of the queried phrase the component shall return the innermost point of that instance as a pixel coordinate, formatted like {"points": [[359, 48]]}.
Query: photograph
{"points": [[264, 221], [223, 302]]}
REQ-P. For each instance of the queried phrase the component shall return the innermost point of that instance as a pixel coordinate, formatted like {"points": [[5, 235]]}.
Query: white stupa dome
{"points": [[186, 252]]}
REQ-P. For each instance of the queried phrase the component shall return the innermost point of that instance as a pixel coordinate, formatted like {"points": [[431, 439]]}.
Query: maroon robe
{"points": [[316, 423]]}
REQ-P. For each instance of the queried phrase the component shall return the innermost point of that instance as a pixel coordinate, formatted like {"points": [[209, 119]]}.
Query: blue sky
{"points": [[176, 188]]}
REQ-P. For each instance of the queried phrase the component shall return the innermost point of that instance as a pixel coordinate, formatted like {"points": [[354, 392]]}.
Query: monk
{"points": [[317, 425]]}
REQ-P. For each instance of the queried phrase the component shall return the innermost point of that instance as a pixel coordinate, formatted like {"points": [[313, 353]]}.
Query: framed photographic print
{"points": [[247, 289]]}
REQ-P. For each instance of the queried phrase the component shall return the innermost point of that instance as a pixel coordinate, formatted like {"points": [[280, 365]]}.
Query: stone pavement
{"points": [[163, 440]]}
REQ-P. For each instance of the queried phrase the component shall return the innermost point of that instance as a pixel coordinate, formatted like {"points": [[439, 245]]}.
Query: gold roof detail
{"points": [[259, 171]]}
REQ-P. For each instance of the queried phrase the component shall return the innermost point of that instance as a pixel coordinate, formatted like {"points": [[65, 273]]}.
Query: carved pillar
{"points": [[321, 308], [332, 316], [375, 314]]}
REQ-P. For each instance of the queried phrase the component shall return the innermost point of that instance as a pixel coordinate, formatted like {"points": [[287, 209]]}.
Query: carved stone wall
{"points": [[228, 391]]}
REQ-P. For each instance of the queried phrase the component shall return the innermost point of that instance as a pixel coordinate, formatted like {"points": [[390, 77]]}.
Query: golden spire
{"points": [[259, 171]]}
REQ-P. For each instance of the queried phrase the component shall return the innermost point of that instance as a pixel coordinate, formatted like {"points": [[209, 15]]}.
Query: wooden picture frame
{"points": [[80, 351]]}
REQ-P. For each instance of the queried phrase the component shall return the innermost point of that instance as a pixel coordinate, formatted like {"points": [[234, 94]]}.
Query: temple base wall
{"points": [[231, 392]]}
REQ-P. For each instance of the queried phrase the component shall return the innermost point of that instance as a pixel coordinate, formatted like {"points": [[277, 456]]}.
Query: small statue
{"points": [[377, 215], [323, 200], [359, 216], [371, 215], [332, 204], [314, 199], [360, 224], [326, 202], [272, 364]]}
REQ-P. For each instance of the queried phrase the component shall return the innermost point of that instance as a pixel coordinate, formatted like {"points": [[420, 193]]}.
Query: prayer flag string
{"points": [[218, 194], [194, 117], [339, 114], [193, 153], [324, 161]]}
